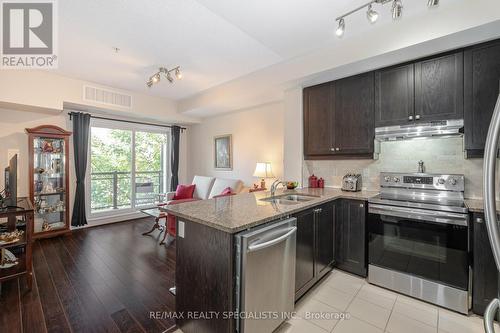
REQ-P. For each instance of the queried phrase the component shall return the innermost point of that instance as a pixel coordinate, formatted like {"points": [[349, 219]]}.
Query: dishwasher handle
{"points": [[259, 246]]}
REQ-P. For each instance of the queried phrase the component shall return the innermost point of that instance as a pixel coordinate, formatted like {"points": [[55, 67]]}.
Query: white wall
{"points": [[32, 90], [257, 137]]}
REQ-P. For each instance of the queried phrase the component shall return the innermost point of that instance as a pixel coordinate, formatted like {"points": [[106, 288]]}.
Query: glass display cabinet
{"points": [[49, 179]]}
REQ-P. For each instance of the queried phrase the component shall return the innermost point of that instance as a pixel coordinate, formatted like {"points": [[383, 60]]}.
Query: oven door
{"points": [[432, 245]]}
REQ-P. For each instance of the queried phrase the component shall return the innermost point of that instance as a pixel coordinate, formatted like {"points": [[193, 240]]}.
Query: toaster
{"points": [[351, 182]]}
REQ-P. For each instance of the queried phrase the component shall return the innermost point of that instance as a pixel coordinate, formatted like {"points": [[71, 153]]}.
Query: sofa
{"points": [[206, 188], [210, 187]]}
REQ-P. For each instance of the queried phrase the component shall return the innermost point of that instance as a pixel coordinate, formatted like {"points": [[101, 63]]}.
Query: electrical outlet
{"points": [[180, 230]]}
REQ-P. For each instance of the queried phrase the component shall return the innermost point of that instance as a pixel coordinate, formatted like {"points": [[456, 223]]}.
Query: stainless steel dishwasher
{"points": [[265, 276]]}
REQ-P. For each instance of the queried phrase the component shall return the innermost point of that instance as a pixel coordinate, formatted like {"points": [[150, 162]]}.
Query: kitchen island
{"points": [[205, 264]]}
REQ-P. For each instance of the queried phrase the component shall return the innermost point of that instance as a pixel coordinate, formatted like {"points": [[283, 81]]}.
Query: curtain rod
{"points": [[126, 121]]}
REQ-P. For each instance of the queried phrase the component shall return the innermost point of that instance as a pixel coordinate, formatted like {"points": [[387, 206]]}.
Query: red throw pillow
{"points": [[227, 191], [184, 192]]}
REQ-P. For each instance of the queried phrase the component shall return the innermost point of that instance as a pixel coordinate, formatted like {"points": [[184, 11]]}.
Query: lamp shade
{"points": [[263, 170]]}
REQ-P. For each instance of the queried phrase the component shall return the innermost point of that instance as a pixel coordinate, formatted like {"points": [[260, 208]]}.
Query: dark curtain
{"points": [[81, 126], [174, 159]]}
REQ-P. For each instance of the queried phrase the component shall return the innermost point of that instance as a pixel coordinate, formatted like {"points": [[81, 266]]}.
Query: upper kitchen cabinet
{"points": [[339, 119], [318, 113], [439, 88], [394, 95], [353, 117], [482, 86]]}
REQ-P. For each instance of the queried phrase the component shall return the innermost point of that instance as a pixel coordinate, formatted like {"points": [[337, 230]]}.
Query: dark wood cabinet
{"points": [[339, 118], [394, 95], [318, 117], [315, 246], [430, 89], [353, 116], [350, 237], [485, 278], [482, 86], [325, 238], [439, 88], [304, 265]]}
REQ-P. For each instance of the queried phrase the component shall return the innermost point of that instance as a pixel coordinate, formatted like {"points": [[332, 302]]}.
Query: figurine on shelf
{"points": [[47, 147], [56, 165], [38, 186], [39, 170], [48, 188], [45, 226]]}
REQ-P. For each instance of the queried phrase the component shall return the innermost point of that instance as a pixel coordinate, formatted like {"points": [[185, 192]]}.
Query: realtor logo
{"points": [[28, 34]]}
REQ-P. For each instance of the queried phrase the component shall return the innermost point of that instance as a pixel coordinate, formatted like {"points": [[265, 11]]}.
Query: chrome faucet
{"points": [[275, 185], [421, 167]]}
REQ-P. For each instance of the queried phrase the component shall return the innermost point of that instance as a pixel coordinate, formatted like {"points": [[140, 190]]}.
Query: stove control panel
{"points": [[423, 181], [418, 180]]}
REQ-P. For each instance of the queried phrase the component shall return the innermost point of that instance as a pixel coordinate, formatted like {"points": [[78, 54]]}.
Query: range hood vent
{"points": [[441, 128]]}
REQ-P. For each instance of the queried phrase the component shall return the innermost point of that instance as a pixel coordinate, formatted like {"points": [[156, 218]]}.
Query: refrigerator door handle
{"points": [[490, 159], [489, 316], [490, 211]]}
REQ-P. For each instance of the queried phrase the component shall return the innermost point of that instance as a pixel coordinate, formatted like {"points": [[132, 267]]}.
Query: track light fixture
{"points": [[341, 28], [372, 15], [397, 9], [156, 77], [432, 3]]}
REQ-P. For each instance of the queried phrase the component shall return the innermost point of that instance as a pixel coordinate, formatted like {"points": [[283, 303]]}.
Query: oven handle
{"points": [[420, 214]]}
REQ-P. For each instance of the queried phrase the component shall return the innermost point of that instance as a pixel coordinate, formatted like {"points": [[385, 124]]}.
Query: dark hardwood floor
{"points": [[102, 279]]}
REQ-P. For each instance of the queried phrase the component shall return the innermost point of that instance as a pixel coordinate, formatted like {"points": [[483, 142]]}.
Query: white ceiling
{"points": [[231, 50], [214, 41]]}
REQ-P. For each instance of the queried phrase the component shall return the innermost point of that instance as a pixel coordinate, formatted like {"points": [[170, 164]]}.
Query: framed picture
{"points": [[223, 152]]}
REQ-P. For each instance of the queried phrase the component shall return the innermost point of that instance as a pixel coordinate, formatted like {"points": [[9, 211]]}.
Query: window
{"points": [[129, 166]]}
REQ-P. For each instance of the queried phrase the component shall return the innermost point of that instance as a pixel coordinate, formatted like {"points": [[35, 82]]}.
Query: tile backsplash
{"points": [[440, 155]]}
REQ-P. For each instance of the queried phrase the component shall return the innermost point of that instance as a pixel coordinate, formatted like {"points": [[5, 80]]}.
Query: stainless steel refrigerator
{"points": [[490, 210]]}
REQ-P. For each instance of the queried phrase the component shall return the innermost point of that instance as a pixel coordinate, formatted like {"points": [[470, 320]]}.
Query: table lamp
{"points": [[263, 170]]}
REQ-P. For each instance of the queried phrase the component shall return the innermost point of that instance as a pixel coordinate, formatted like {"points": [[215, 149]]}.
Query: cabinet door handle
{"points": [[361, 205], [337, 149], [410, 117], [417, 117], [479, 220]]}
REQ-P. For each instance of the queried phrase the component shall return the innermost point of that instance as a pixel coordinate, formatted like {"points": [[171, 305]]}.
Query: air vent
{"points": [[108, 97]]}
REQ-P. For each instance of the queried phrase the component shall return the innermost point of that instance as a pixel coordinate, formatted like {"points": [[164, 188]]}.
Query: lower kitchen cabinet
{"points": [[485, 275], [315, 246], [350, 237]]}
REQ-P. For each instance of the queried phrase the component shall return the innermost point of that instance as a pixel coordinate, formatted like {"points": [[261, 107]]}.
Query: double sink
{"points": [[290, 199]]}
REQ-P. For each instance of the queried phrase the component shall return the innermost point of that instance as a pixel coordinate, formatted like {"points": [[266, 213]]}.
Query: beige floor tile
{"points": [[369, 312], [299, 326], [319, 314], [355, 325], [377, 295], [344, 282], [417, 310], [452, 322], [399, 323], [333, 297]]}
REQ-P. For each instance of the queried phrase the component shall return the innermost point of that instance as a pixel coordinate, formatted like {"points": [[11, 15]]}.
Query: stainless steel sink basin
{"points": [[290, 199]]}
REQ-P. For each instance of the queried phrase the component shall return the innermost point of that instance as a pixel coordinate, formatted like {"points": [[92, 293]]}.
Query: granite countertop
{"points": [[477, 205], [242, 211]]}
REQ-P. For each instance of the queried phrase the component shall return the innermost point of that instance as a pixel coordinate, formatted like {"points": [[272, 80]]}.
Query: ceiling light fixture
{"points": [[432, 3], [156, 77], [341, 28], [397, 9], [372, 15]]}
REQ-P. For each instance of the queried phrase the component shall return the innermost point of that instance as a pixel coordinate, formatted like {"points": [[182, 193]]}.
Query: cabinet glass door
{"points": [[49, 186]]}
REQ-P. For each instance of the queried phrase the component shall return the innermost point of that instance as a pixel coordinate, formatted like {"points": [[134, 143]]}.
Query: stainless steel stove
{"points": [[419, 238]]}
